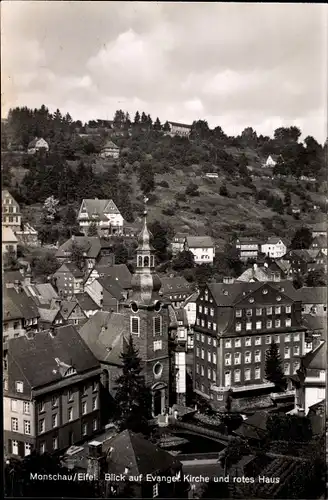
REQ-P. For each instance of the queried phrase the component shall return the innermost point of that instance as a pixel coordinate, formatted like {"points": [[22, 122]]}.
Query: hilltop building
{"points": [[104, 213]]}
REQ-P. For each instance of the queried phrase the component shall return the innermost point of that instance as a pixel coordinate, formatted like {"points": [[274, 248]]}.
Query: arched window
{"points": [[139, 261], [146, 261]]}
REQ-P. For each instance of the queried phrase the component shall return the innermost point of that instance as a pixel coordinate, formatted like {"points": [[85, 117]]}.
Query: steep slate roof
{"points": [[8, 235], [90, 244], [230, 294], [86, 302], [301, 254], [72, 268], [42, 293], [47, 314], [17, 305], [36, 357], [118, 272], [34, 142], [100, 207], [254, 427], [180, 236], [316, 359], [176, 284], [139, 455], [67, 307], [320, 241], [200, 242], [320, 227], [248, 240], [312, 295], [315, 323], [104, 333], [112, 286], [284, 265], [12, 276]]}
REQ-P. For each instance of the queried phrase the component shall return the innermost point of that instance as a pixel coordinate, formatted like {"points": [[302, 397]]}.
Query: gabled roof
{"points": [[316, 359], [176, 284], [36, 357], [247, 240], [67, 307], [100, 207], [34, 142], [48, 315], [191, 298], [200, 242], [17, 305], [176, 124], [6, 194], [319, 241], [112, 286], [180, 236], [42, 293], [284, 265], [89, 244], [257, 274], [104, 333], [312, 295], [273, 240], [110, 145], [301, 253], [8, 236], [70, 267], [86, 302], [118, 272], [134, 452]]}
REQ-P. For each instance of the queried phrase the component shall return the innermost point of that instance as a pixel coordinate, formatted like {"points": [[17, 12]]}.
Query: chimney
{"points": [[276, 277], [96, 459], [73, 237], [266, 265], [254, 267], [228, 280]]}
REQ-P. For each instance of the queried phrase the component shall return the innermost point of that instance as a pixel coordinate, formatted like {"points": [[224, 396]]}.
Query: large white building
{"points": [[104, 213], [202, 248], [274, 248], [180, 129]]}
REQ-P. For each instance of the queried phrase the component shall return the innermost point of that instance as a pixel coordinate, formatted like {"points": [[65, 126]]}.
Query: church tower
{"points": [[148, 321]]}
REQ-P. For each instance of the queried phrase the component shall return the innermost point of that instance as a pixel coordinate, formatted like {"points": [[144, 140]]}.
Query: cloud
{"points": [[235, 65]]}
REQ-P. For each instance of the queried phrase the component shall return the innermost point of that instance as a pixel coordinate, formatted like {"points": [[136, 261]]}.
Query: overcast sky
{"points": [[235, 65]]}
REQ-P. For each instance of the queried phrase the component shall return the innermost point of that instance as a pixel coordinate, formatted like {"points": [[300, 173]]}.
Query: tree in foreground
{"points": [[93, 230], [273, 370], [302, 239], [133, 398]]}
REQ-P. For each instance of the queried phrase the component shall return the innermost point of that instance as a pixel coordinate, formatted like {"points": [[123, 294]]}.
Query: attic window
{"points": [[278, 298], [225, 292], [70, 371], [265, 291]]}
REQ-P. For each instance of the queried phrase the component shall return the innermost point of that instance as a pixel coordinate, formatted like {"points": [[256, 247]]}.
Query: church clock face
{"points": [[158, 306], [134, 307]]}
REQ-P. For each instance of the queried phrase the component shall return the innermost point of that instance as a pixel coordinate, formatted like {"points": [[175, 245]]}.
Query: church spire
{"points": [[145, 282]]}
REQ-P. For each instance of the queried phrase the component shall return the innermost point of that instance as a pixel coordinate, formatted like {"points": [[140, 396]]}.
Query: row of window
{"points": [[10, 218], [211, 357], [257, 356], [268, 324], [259, 311], [210, 340], [258, 340], [135, 325], [211, 374]]}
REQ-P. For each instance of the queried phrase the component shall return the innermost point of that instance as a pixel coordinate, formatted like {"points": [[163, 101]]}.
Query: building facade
{"points": [[56, 405], [249, 248], [110, 150], [103, 213], [180, 129], [38, 144], [274, 248], [11, 215], [235, 326], [202, 248]]}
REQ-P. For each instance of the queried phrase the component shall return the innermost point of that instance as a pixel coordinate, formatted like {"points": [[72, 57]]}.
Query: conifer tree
{"points": [[92, 230], [273, 370], [137, 118], [133, 398]]}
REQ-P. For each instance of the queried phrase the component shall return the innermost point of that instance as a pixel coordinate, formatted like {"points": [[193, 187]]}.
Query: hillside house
{"points": [[249, 248], [274, 247], [202, 248], [314, 300], [301, 261], [27, 235], [178, 242], [11, 214], [104, 213], [9, 241], [69, 280], [255, 273], [180, 129], [72, 313], [91, 249], [86, 304], [118, 272], [110, 150], [271, 161], [319, 243], [107, 293], [37, 145], [42, 294], [20, 314], [319, 230], [55, 407]]}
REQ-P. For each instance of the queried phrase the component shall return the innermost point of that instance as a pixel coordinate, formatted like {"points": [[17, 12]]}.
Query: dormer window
{"points": [[251, 300], [71, 371], [265, 291], [279, 298]]}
